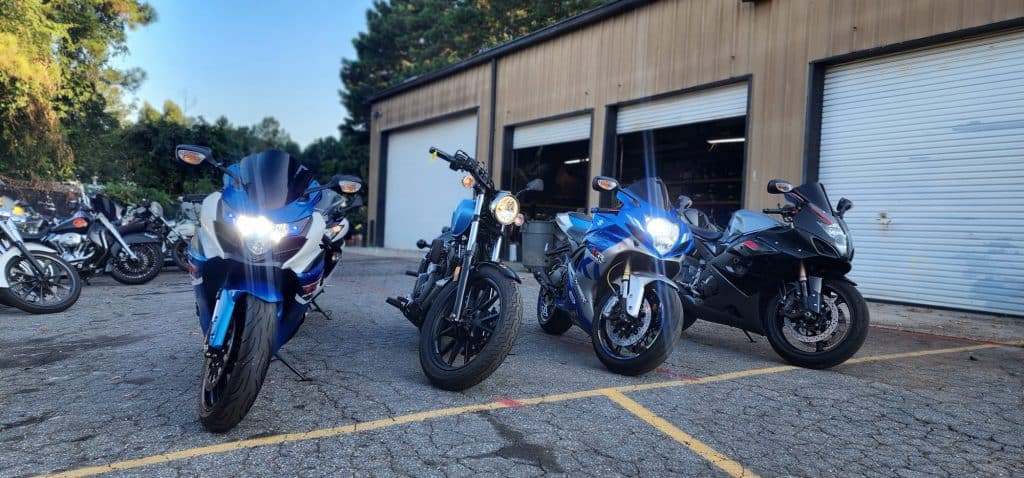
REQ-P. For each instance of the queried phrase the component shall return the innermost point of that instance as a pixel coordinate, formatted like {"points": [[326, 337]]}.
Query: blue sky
{"points": [[246, 59]]}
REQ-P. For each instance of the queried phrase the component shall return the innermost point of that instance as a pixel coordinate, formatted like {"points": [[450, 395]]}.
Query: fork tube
{"points": [[12, 232], [113, 230], [467, 259], [496, 252]]}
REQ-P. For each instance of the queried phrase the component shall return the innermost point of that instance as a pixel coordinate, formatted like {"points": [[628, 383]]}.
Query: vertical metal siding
{"points": [[552, 132], [725, 102], [929, 145]]}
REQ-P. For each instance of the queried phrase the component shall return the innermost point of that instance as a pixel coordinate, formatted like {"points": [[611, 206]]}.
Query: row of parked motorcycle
{"points": [[632, 276], [45, 259]]}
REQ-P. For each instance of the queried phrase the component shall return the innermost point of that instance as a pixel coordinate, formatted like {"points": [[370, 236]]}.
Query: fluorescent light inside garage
{"points": [[726, 140], [577, 161]]}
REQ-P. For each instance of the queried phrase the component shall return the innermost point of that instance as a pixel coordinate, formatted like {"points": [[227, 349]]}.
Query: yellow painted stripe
{"points": [[445, 412], [723, 462]]}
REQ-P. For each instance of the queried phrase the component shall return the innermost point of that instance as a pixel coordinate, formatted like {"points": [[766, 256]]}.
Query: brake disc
{"points": [[830, 315], [638, 331]]}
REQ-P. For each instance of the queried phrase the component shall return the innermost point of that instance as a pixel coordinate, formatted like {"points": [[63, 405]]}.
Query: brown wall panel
{"points": [[670, 45]]}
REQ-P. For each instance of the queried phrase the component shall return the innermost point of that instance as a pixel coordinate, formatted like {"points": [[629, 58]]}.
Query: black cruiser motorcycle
{"points": [[784, 280], [465, 301]]}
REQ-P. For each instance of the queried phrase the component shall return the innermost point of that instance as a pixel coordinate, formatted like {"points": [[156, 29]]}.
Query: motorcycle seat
{"points": [[131, 228], [573, 224], [709, 235]]}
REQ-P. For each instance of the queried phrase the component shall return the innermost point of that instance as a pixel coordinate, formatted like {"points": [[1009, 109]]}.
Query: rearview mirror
{"points": [[535, 185], [843, 206], [192, 155], [684, 202], [779, 186], [604, 183], [346, 183]]}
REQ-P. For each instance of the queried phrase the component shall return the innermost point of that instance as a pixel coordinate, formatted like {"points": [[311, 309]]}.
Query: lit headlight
{"points": [[664, 233], [835, 231], [505, 208], [259, 234]]}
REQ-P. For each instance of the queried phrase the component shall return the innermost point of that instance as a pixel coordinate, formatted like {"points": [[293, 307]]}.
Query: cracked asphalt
{"points": [[114, 379]]}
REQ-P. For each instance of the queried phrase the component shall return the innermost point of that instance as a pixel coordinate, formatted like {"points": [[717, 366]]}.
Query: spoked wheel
{"points": [[179, 253], [143, 268], [820, 340], [456, 355], [56, 289], [636, 345], [232, 378]]}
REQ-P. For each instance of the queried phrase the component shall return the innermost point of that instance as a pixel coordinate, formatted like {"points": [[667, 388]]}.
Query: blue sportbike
{"points": [[260, 257], [611, 275]]}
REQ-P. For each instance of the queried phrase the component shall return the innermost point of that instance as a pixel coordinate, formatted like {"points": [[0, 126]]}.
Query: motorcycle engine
{"points": [[68, 240]]}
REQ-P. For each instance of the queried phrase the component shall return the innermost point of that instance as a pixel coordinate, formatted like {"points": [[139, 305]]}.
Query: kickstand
{"points": [[316, 308], [751, 339], [302, 378]]}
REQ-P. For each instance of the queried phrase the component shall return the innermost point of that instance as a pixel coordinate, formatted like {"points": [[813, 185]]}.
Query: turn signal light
{"points": [[468, 181]]}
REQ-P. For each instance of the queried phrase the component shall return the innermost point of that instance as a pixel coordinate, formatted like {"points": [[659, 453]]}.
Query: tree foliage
{"points": [[55, 81]]}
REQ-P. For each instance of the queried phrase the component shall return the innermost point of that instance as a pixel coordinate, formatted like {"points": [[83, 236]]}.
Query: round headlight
{"points": [[505, 208]]}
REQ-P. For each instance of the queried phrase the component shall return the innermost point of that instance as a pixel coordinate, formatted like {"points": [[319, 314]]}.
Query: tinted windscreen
{"points": [[653, 191], [273, 179], [815, 193]]}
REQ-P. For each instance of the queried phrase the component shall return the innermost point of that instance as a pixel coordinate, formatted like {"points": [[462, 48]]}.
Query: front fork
{"points": [[12, 232], [113, 230], [467, 260], [810, 289]]}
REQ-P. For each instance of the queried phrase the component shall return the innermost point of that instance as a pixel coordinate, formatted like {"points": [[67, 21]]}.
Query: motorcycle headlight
{"points": [[505, 208], [835, 231], [258, 233], [664, 233]]}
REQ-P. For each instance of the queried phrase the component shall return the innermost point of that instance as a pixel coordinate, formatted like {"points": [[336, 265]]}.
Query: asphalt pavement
{"points": [[110, 386]]}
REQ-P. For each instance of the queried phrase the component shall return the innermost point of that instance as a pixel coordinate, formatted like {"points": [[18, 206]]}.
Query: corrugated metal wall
{"points": [[930, 146]]}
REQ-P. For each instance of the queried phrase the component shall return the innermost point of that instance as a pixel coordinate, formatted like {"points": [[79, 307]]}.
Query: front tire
{"points": [[147, 264], [629, 348], [57, 290], [231, 383], [851, 329], [492, 314]]}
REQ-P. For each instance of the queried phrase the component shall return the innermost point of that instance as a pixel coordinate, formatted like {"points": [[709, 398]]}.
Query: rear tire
{"points": [[179, 253], [439, 361], [150, 259], [662, 301], [223, 405], [56, 269], [552, 320], [849, 344]]}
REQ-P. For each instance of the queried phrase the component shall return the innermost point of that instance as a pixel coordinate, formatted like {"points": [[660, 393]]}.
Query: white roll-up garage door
{"points": [[421, 194], [716, 103], [929, 146], [552, 132]]}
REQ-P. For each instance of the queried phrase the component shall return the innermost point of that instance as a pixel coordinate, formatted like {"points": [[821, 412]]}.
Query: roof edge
{"points": [[570, 24]]}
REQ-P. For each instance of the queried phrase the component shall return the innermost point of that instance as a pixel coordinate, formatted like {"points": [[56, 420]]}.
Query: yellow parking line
{"points": [[445, 412], [727, 465]]}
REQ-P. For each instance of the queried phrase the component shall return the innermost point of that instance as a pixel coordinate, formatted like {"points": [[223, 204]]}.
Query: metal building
{"points": [[912, 109]]}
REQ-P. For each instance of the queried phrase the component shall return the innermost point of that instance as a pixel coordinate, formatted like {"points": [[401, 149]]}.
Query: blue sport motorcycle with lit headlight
{"points": [[611, 275], [259, 258]]}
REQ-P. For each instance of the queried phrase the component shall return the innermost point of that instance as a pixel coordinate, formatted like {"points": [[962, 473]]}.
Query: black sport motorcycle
{"points": [[465, 301], [784, 280]]}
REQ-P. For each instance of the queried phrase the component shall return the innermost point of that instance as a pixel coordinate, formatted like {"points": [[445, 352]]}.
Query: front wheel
{"points": [[149, 259], [458, 355], [820, 340], [56, 289], [232, 377], [636, 345]]}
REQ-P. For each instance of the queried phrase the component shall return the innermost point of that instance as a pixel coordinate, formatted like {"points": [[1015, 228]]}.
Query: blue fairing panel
{"points": [[463, 216]]}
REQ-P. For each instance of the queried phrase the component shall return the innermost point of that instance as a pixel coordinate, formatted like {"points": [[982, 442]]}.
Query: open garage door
{"points": [[420, 194], [695, 142], [929, 146]]}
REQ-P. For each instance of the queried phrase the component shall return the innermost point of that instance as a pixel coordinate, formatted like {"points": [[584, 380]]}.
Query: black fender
{"points": [[842, 279], [139, 238], [502, 268]]}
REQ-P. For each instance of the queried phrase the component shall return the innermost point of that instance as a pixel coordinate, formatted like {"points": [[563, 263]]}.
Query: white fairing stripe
{"points": [[207, 235], [302, 259]]}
